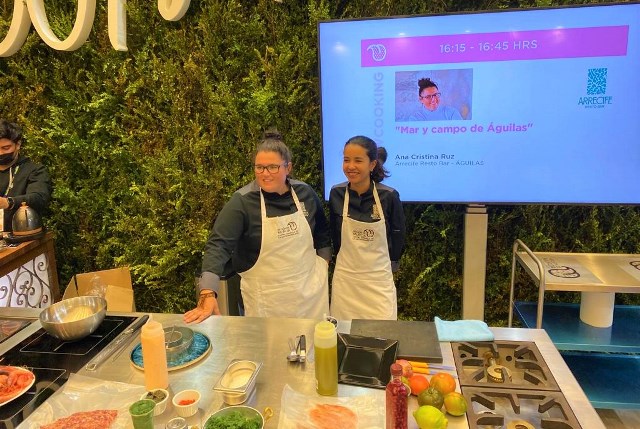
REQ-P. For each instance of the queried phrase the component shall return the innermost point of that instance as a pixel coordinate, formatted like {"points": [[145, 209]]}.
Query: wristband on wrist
{"points": [[10, 202], [204, 296]]}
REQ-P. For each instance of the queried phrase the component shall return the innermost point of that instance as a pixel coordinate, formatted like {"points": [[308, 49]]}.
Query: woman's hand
{"points": [[207, 305]]}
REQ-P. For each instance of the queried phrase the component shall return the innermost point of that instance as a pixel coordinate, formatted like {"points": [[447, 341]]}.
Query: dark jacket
{"points": [[361, 209], [237, 232], [31, 184]]}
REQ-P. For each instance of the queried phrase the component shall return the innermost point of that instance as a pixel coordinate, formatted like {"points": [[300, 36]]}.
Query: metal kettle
{"points": [[26, 221]]}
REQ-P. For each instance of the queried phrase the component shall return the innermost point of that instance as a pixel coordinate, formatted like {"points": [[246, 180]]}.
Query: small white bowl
{"points": [[186, 410], [161, 404]]}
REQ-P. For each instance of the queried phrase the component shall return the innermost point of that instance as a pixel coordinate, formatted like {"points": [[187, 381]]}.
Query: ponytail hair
{"points": [[272, 142], [379, 172]]}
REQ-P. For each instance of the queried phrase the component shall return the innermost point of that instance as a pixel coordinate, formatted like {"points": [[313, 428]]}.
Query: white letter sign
{"points": [[26, 12], [173, 10], [79, 33]]}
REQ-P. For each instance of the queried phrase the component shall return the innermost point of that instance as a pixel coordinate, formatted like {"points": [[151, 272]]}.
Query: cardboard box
{"points": [[119, 291]]}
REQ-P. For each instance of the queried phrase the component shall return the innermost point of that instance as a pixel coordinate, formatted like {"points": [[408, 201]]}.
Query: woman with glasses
{"points": [[430, 97], [275, 233], [367, 228]]}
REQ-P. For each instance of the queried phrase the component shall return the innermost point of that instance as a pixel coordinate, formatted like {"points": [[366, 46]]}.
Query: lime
{"points": [[431, 396], [455, 404], [429, 417]]}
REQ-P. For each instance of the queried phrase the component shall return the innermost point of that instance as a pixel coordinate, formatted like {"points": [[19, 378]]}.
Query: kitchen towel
{"points": [[463, 330]]}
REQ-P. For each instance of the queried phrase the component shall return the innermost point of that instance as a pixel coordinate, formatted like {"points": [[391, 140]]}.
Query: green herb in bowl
{"points": [[233, 420]]}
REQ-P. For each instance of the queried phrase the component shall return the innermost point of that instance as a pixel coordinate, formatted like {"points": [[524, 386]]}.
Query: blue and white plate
{"points": [[200, 347]]}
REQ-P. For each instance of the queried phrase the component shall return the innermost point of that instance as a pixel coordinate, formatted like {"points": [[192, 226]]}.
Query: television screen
{"points": [[528, 106]]}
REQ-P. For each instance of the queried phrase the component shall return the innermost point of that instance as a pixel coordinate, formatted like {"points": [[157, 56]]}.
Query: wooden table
{"points": [[28, 274]]}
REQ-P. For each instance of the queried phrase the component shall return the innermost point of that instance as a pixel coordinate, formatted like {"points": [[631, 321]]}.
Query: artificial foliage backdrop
{"points": [[146, 146]]}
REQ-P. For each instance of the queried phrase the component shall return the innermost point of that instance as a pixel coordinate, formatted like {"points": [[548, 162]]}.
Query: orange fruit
{"points": [[418, 383], [443, 382], [455, 404]]}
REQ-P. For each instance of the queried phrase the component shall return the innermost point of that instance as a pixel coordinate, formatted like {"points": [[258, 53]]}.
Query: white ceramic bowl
{"points": [[161, 404], [186, 410]]}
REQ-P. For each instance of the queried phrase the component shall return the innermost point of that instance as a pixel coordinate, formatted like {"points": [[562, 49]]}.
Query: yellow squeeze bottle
{"points": [[325, 341], [154, 356]]}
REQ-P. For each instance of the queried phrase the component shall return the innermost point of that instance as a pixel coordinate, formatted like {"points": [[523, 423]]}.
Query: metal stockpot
{"points": [[26, 221]]}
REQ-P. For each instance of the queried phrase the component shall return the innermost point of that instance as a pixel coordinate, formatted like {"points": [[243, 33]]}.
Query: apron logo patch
{"points": [[363, 234], [287, 231]]}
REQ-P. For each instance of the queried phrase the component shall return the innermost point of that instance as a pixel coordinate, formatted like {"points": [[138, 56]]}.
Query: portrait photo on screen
{"points": [[433, 95]]}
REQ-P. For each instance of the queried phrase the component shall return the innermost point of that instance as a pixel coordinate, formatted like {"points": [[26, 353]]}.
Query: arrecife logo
{"points": [[288, 230], [363, 235], [378, 52], [596, 97]]}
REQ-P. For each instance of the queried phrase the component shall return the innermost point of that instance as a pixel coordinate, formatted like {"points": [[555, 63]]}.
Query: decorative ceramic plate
{"points": [[365, 361], [200, 347], [22, 384]]}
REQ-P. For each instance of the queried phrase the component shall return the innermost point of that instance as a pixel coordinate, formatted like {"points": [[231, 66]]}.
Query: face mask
{"points": [[7, 158]]}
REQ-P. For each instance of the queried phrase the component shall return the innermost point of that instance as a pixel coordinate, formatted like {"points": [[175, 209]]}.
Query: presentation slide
{"points": [[533, 106]]}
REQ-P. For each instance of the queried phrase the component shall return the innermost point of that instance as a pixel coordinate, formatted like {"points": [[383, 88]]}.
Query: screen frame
{"points": [[326, 186]]}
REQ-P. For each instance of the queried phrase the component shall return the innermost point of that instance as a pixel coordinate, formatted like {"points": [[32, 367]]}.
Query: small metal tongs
{"points": [[298, 349], [293, 346], [302, 349]]}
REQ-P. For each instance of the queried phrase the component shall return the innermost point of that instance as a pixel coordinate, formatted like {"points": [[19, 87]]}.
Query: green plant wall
{"points": [[146, 146]]}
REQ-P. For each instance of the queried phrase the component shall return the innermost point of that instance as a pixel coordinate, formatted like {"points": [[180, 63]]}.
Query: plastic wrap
{"points": [[82, 393], [296, 409]]}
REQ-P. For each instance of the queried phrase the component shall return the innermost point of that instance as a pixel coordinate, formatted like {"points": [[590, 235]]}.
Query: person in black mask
{"points": [[21, 180]]}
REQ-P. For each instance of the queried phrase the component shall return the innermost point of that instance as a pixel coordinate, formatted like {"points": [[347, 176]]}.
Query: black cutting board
{"points": [[417, 341]]}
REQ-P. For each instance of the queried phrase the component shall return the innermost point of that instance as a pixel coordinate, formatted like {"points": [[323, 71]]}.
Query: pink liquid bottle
{"points": [[397, 393]]}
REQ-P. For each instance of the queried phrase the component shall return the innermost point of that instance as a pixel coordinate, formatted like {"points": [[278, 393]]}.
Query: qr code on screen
{"points": [[597, 81]]}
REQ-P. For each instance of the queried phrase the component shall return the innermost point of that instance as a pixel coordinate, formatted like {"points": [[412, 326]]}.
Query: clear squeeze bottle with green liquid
{"points": [[325, 342]]}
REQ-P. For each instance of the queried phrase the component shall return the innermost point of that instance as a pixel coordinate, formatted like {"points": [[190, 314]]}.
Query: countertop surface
{"points": [[266, 341]]}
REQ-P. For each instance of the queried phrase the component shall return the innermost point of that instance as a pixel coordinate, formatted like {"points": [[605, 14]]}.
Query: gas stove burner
{"points": [[499, 374], [496, 372], [510, 364], [517, 409], [520, 424]]}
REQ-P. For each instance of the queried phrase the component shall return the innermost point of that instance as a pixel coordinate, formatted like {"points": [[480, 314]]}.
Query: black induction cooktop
{"points": [[52, 361]]}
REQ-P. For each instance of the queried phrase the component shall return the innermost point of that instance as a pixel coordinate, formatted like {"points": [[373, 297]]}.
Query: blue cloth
{"points": [[463, 330]]}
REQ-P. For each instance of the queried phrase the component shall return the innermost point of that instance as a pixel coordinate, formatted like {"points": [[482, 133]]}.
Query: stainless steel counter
{"points": [[265, 340]]}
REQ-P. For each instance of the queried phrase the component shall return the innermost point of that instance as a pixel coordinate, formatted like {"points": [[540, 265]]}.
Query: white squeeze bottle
{"points": [[154, 356], [325, 342]]}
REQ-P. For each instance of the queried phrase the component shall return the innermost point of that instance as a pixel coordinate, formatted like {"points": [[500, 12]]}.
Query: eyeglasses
{"points": [[430, 97], [272, 168]]}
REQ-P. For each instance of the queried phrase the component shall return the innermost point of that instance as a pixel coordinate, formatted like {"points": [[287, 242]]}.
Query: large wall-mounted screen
{"points": [[528, 106]]}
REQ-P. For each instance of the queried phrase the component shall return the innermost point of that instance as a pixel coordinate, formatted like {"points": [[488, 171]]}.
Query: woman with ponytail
{"points": [[368, 228]]}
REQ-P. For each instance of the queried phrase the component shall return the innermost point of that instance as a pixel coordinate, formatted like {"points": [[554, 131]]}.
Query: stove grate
{"points": [[521, 409], [502, 364]]}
